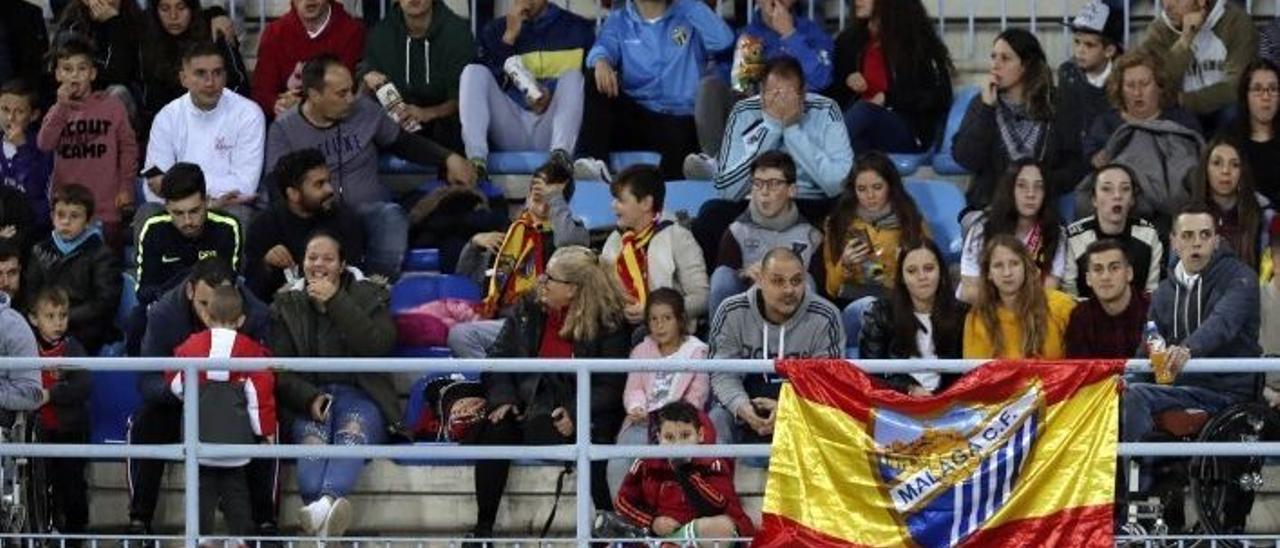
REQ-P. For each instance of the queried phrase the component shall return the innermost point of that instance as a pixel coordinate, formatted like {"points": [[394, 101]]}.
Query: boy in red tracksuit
{"points": [[64, 417], [681, 499], [235, 407]]}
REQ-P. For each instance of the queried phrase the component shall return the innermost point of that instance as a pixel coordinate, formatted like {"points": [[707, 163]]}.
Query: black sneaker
{"points": [[139, 528], [562, 158], [482, 533]]}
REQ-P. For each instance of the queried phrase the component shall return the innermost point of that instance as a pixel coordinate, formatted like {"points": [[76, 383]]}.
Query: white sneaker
{"points": [[311, 517], [591, 169], [337, 520], [699, 167]]}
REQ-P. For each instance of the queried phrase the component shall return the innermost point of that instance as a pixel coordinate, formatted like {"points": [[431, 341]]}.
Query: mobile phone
{"points": [[324, 408]]}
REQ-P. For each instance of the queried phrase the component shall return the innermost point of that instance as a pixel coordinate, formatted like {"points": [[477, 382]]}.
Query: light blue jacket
{"points": [[660, 62], [819, 144]]}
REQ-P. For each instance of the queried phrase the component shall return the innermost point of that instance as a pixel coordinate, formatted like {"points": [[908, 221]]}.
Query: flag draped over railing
{"points": [[1015, 453]]}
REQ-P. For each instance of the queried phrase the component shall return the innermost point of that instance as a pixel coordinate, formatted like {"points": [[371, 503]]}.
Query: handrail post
{"points": [[582, 448], [191, 464]]}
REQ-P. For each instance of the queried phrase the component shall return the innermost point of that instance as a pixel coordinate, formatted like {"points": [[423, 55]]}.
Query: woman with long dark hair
{"points": [[1015, 317], [892, 77], [1021, 208], [1224, 184], [173, 26], [1256, 127], [920, 318]]}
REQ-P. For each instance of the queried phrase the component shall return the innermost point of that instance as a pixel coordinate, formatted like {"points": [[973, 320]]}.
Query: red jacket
{"points": [[651, 490], [284, 44], [259, 386]]}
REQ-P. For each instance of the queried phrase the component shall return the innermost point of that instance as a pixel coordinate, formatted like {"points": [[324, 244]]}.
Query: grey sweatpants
{"points": [[490, 116]]}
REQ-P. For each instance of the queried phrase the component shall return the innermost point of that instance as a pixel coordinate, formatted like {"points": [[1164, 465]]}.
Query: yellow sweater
{"points": [[885, 241], [977, 342]]}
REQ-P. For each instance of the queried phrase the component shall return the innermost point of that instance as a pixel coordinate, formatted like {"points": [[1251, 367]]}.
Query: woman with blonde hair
{"points": [[1015, 316], [1138, 90], [576, 313]]}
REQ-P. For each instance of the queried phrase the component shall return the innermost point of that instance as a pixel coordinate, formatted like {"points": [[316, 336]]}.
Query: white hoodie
{"points": [[226, 142]]}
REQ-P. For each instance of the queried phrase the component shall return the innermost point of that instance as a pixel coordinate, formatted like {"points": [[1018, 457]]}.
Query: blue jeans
{"points": [[853, 319], [873, 127], [1142, 401], [386, 229], [353, 420], [725, 283]]}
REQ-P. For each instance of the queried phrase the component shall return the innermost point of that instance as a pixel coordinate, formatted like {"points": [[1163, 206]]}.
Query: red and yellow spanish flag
{"points": [[1015, 453]]}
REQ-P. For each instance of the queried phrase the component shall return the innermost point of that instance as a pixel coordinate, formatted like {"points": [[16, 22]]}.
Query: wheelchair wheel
{"points": [[1222, 488]]}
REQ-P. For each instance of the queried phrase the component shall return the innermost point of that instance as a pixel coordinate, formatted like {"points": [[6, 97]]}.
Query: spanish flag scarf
{"points": [[517, 266], [633, 264]]}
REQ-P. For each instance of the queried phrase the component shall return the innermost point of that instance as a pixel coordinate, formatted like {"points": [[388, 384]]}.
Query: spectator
{"points": [[744, 327], [90, 135], [239, 407], [576, 314], [333, 312], [175, 27], [426, 34], [1021, 208], [114, 30], [213, 127], [777, 29], [1206, 44], [647, 60], [648, 392], [351, 130], [1139, 92], [646, 253], [771, 220], [281, 232], [892, 77], [1013, 120], [172, 319], [11, 274], [869, 223], [1268, 330], [690, 499], [1114, 195], [310, 29], [550, 43], [1224, 183], [782, 117], [187, 231], [920, 318], [1014, 317], [64, 410], [75, 259], [24, 45], [20, 389], [508, 264], [1260, 98], [23, 166], [1108, 325], [1097, 37]]}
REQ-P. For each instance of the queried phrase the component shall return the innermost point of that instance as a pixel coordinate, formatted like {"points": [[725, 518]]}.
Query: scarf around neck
{"points": [[66, 247], [633, 261], [1019, 132], [785, 219]]}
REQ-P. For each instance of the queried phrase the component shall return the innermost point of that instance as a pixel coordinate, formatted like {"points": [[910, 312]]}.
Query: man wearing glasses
{"points": [[771, 220], [782, 117]]}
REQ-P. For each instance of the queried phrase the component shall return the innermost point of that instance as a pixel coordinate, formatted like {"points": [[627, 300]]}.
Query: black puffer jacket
{"points": [[91, 276], [541, 393], [876, 342], [355, 323]]}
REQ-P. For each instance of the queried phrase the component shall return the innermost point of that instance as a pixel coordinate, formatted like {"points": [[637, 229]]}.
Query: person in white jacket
{"points": [[215, 128]]}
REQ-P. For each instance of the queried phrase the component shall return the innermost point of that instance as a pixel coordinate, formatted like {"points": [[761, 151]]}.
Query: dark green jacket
{"points": [[430, 73], [356, 323]]}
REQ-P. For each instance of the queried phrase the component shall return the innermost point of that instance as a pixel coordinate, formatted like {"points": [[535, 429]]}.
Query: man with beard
{"points": [[281, 232], [777, 317]]}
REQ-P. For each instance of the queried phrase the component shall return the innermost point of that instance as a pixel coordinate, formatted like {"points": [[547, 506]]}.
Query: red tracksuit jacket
{"points": [[259, 386], [651, 490]]}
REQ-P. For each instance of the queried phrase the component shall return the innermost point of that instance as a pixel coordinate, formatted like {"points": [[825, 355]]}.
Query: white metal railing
{"points": [[582, 452]]}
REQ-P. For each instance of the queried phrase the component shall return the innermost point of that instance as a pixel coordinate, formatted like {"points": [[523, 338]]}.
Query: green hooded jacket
{"points": [[425, 70]]}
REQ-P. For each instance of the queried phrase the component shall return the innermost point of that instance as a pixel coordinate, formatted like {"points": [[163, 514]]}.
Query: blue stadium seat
{"points": [[422, 259], [416, 289], [619, 161], [943, 162], [515, 163], [940, 203], [113, 398], [1067, 208], [688, 196], [908, 163], [390, 164], [592, 202]]}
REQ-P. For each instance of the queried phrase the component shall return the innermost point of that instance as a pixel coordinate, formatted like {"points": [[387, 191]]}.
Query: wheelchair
{"points": [[24, 495], [1222, 488]]}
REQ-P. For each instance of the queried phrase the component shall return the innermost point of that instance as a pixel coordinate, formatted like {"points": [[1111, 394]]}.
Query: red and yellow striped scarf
{"points": [[514, 273], [633, 264]]}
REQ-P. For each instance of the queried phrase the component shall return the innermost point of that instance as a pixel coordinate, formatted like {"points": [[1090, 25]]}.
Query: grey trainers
{"points": [[699, 167], [591, 169]]}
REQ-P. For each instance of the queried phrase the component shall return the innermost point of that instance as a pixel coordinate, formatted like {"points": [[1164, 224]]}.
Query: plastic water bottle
{"points": [[391, 100], [1154, 340], [522, 78], [1158, 350]]}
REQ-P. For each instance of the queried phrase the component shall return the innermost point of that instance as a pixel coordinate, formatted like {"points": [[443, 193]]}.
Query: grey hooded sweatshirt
{"points": [[19, 388], [740, 331], [1215, 315]]}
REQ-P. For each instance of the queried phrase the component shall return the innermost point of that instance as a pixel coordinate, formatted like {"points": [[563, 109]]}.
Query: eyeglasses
{"points": [[768, 184], [546, 277], [1264, 90]]}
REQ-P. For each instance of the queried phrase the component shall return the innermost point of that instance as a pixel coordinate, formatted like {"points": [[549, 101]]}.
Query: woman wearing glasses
{"points": [[1256, 126], [576, 313]]}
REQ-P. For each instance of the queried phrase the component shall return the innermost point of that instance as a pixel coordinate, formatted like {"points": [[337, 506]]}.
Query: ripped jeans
{"points": [[353, 420]]}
